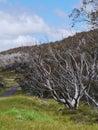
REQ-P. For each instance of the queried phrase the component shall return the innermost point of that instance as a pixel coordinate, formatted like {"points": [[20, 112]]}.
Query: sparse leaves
{"points": [[87, 13]]}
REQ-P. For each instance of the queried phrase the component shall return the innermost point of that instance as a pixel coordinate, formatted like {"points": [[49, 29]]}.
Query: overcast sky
{"points": [[29, 22]]}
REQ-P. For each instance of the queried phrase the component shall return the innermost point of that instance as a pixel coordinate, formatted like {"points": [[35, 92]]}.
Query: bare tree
{"points": [[67, 76], [71, 80]]}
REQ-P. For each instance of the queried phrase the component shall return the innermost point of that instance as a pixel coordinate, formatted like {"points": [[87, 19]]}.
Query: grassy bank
{"points": [[27, 113]]}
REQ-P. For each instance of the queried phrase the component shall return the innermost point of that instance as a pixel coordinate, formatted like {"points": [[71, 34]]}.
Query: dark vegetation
{"points": [[2, 84]]}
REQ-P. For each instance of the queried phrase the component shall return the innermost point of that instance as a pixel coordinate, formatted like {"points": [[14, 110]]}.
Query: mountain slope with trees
{"points": [[66, 70]]}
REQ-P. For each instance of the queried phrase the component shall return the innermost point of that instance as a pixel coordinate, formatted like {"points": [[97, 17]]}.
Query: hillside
{"points": [[81, 41], [82, 38]]}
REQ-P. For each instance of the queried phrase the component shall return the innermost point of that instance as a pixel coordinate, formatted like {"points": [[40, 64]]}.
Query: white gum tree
{"points": [[68, 76]]}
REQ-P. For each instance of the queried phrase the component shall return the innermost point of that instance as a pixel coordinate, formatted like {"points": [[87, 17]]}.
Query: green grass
{"points": [[23, 115], [31, 113]]}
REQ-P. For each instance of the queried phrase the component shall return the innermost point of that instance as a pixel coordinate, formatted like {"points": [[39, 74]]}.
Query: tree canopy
{"points": [[88, 13]]}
